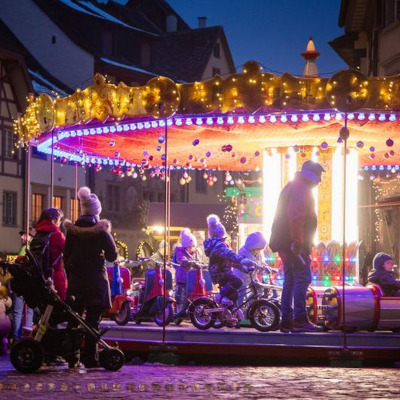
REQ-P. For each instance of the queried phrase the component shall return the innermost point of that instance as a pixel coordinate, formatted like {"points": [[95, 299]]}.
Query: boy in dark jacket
{"points": [[88, 244], [382, 274], [221, 261]]}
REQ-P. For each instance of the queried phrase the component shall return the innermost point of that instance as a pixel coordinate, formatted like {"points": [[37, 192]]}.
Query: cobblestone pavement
{"points": [[159, 381]]}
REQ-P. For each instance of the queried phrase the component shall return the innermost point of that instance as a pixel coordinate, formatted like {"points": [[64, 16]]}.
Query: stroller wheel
{"points": [[27, 356], [111, 359]]}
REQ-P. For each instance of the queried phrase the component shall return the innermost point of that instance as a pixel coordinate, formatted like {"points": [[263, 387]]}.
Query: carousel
{"points": [[250, 121]]}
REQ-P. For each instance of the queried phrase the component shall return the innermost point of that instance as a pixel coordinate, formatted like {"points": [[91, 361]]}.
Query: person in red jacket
{"points": [[49, 221], [292, 236]]}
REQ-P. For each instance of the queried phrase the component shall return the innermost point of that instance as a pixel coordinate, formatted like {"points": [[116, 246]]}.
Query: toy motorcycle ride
{"points": [[198, 285], [263, 314], [150, 304], [123, 302]]}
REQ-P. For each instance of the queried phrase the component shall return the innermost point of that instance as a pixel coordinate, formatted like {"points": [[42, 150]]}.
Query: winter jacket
{"points": [[57, 244], [221, 258], [385, 279], [89, 243], [183, 258], [295, 219], [254, 241]]}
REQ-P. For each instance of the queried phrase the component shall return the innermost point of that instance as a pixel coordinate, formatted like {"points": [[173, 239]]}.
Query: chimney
{"points": [[202, 22], [172, 23]]}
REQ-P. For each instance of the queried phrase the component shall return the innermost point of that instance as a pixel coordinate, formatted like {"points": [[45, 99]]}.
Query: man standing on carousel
{"points": [[292, 235]]}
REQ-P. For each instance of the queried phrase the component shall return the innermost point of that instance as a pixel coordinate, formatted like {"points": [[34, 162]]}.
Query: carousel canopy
{"points": [[217, 124]]}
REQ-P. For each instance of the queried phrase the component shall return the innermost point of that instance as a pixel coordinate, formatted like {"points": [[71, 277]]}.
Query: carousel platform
{"points": [[186, 341]]}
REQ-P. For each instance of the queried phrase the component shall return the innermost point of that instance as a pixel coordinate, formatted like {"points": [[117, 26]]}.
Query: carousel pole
{"points": [[344, 134], [166, 223], [76, 190], [52, 171], [28, 192]]}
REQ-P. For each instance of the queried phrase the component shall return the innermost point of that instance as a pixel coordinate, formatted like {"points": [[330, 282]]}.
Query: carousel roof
{"points": [[220, 123]]}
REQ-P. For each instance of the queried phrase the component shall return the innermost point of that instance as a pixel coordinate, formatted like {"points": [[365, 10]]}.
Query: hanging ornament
{"points": [[372, 149], [360, 144], [158, 148], [202, 160], [227, 148], [190, 157], [144, 177], [117, 154], [243, 160], [233, 154], [175, 161], [287, 156], [196, 142], [324, 145], [111, 143], [386, 155], [208, 154], [151, 158], [188, 165], [152, 174], [205, 175], [161, 139], [303, 155], [316, 154], [296, 149], [185, 175], [145, 153], [389, 142], [392, 153], [163, 157], [257, 153], [372, 156], [182, 181]]}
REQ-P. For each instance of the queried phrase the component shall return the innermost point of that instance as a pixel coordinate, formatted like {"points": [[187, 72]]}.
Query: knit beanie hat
{"points": [[255, 240], [90, 204], [215, 227], [380, 259], [187, 238]]}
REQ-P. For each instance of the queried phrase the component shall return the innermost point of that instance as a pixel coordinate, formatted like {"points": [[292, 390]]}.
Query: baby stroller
{"points": [[47, 341]]}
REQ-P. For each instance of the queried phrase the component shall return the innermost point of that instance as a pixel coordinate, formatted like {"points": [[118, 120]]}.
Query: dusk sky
{"points": [[272, 32]]}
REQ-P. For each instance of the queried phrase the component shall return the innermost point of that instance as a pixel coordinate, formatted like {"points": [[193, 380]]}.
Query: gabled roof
{"points": [[42, 81], [185, 55]]}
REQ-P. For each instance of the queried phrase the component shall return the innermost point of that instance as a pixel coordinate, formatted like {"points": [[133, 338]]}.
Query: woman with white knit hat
{"points": [[88, 244]]}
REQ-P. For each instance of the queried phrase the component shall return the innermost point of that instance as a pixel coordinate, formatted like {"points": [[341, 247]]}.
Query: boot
{"points": [[304, 325]]}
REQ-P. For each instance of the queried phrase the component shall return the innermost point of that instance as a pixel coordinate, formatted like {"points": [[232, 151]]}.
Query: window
{"points": [[9, 208], [113, 198], [74, 209], [216, 71], [201, 183], [217, 50], [37, 206], [53, 39], [391, 12], [58, 202], [8, 144]]}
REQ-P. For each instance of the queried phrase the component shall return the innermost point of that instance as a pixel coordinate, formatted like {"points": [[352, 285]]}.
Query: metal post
{"points": [[76, 189], [166, 222], [344, 136], [52, 171], [28, 192]]}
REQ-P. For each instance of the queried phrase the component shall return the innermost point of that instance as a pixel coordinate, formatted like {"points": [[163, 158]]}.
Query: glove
{"points": [[295, 248], [249, 269], [247, 265]]}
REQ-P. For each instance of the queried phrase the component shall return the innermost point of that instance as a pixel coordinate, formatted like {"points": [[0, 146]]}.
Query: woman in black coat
{"points": [[88, 244]]}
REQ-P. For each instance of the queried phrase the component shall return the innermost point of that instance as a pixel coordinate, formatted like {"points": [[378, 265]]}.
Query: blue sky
{"points": [[272, 32]]}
